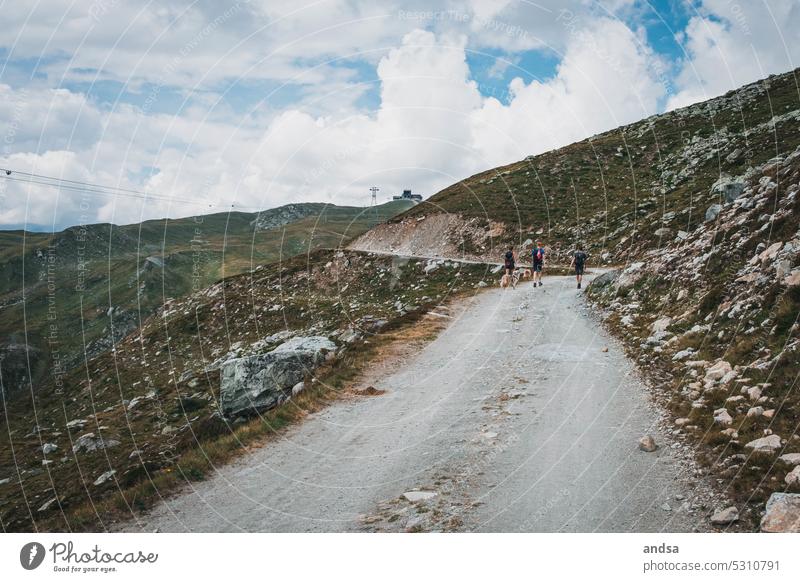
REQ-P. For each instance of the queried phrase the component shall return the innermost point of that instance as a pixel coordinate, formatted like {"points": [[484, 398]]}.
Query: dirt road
{"points": [[513, 419]]}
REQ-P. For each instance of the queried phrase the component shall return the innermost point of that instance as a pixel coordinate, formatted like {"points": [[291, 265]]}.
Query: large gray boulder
{"points": [[728, 188], [260, 382], [604, 280]]}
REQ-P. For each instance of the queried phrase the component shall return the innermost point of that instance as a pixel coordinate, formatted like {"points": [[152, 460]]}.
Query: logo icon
{"points": [[31, 555]]}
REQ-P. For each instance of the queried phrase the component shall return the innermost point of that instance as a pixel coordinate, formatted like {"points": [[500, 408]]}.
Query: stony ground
{"points": [[713, 316], [523, 415]]}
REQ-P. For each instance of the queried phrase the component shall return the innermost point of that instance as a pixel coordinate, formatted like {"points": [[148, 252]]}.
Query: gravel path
{"points": [[513, 419]]}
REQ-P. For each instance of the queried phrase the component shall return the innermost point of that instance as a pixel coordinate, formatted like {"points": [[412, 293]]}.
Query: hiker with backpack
{"points": [[538, 263], [578, 261], [509, 262]]}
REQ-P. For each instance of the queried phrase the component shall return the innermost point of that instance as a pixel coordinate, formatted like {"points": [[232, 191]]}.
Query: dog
{"points": [[512, 280], [526, 273]]}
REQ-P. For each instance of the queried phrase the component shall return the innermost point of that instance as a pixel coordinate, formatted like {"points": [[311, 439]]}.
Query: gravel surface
{"points": [[513, 419]]}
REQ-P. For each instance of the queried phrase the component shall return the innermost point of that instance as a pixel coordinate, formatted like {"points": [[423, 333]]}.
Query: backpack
{"points": [[509, 258], [538, 255], [580, 258]]}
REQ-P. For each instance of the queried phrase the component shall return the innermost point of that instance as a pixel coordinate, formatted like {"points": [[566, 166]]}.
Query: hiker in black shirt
{"points": [[579, 262], [509, 261]]}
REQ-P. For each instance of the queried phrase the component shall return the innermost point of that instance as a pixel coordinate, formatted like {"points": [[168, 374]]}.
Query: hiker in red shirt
{"points": [[538, 263]]}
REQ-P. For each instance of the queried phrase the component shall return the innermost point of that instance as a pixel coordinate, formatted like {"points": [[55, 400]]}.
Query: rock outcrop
{"points": [[263, 381]]}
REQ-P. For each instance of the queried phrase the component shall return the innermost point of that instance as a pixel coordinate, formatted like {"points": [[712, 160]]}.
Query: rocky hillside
{"points": [[712, 317], [620, 193], [204, 376], [68, 296]]}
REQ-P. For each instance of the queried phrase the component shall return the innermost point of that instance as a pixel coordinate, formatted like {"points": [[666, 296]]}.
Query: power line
{"points": [[100, 189]]}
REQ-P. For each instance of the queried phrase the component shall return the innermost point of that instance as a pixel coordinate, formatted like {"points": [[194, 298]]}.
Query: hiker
{"points": [[578, 261], [510, 260], [538, 263]]}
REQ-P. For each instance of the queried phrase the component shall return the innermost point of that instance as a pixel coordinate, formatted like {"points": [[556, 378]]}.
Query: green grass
{"points": [[104, 266]]}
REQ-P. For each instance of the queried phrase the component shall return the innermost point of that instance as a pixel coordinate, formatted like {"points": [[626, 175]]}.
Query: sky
{"points": [[208, 106]]}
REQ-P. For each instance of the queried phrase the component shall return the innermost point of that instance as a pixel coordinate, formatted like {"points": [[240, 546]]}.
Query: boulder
{"points": [[48, 448], [604, 280], [263, 381], [89, 443], [782, 514], [725, 517], [768, 444]]}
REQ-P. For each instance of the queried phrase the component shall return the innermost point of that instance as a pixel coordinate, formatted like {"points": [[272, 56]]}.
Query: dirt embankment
{"points": [[435, 235]]}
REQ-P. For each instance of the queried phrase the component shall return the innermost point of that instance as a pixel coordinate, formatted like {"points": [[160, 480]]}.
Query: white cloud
{"points": [[432, 128], [730, 44], [606, 79]]}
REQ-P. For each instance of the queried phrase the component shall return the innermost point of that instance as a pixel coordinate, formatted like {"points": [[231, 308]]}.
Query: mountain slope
{"points": [[67, 296], [619, 193]]}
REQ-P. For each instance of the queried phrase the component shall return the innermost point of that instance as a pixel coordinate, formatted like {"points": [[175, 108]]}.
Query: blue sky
{"points": [[260, 103]]}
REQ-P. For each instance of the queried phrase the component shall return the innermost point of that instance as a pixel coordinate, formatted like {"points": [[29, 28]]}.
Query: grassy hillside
{"points": [[67, 296], [154, 400], [627, 190], [713, 319]]}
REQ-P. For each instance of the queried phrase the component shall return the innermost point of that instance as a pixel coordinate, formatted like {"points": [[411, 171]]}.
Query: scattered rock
{"points": [[782, 514], [768, 444], [713, 212], [298, 388], [88, 443], [48, 448], [723, 417], [661, 324], [682, 355], [647, 444], [755, 412], [48, 504], [718, 371], [728, 188], [790, 458], [725, 516], [104, 477], [415, 496]]}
